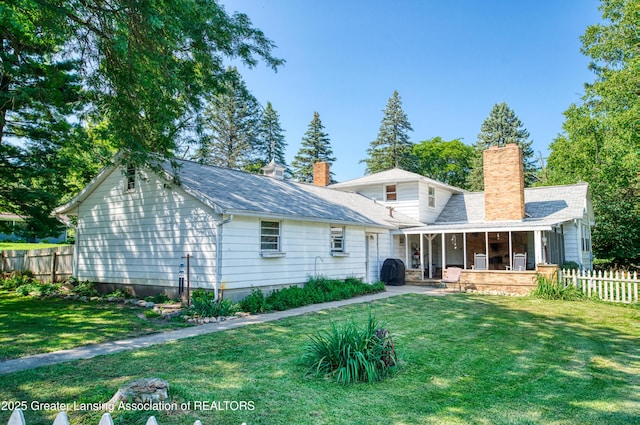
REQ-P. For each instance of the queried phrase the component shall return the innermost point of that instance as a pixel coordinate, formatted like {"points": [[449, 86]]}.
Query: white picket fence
{"points": [[17, 418], [620, 287]]}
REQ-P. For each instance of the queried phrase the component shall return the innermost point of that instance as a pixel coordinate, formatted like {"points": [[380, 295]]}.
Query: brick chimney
{"points": [[503, 183], [321, 174]]}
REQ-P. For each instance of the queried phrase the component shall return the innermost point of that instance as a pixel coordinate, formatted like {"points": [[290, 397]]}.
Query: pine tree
{"points": [[392, 148], [270, 144], [315, 147], [501, 128], [229, 126]]}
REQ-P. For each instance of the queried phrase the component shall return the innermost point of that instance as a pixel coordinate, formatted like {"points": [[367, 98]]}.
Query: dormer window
{"points": [[390, 193], [432, 197]]}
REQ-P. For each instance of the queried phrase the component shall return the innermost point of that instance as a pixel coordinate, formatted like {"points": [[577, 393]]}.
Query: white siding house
{"points": [[239, 230]]}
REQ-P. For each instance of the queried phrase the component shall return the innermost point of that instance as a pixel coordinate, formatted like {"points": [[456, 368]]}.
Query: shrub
{"points": [[254, 302], [570, 265], [350, 353], [204, 304], [317, 290], [15, 279], [158, 298], [551, 289], [39, 289], [83, 288]]}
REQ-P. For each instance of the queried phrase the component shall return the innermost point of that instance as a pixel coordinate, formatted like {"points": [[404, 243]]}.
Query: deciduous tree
{"points": [[444, 161], [599, 142]]}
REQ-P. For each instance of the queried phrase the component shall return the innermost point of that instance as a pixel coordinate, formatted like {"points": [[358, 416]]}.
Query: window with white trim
{"points": [[390, 193], [432, 197], [270, 236], [337, 239], [131, 178]]}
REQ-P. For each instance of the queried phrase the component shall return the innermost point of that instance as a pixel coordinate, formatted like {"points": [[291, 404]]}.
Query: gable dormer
{"points": [[414, 195]]}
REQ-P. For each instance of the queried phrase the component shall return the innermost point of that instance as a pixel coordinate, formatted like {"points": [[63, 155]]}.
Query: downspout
{"points": [[219, 255]]}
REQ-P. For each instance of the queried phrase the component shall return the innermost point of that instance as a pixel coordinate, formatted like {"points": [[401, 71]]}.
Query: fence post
{"points": [[61, 419], [635, 284], [54, 264], [17, 418], [106, 419]]}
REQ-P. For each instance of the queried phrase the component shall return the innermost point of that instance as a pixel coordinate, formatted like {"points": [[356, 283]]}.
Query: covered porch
{"points": [[490, 255]]}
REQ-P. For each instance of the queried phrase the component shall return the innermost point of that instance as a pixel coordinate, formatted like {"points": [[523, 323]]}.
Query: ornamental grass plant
{"points": [[351, 353]]}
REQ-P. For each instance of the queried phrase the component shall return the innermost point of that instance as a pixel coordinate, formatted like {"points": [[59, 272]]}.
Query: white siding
{"points": [[571, 243], [140, 237], [306, 248], [407, 193], [429, 214]]}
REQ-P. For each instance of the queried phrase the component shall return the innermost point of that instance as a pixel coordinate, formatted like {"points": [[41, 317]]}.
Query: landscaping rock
{"points": [[143, 390]]}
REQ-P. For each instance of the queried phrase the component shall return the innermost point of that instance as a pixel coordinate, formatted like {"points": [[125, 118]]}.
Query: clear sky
{"points": [[450, 60]]}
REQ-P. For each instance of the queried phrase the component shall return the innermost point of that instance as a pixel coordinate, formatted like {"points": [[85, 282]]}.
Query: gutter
{"points": [[218, 226]]}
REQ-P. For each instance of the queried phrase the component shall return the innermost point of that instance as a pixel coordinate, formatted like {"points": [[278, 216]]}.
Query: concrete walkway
{"points": [[90, 351]]}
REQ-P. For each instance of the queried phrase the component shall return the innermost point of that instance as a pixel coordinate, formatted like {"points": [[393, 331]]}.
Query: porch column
{"points": [[406, 252], [422, 255], [444, 254], [539, 248], [464, 250], [510, 252]]}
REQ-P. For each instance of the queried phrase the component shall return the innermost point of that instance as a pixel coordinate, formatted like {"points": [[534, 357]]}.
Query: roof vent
{"points": [[274, 170]]}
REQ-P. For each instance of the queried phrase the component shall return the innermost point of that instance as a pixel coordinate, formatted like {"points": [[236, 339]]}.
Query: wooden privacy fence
{"points": [[621, 287], [47, 265], [17, 418]]}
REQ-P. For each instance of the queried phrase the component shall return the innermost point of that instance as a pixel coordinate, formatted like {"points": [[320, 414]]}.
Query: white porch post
{"points": [[422, 255], [444, 254], [464, 250], [510, 252], [406, 251], [537, 237], [430, 238]]}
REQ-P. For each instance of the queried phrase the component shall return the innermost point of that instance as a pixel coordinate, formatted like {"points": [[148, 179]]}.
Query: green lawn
{"points": [[23, 246], [464, 360], [37, 325]]}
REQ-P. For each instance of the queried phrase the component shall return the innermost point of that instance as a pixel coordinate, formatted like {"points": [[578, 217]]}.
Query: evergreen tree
{"points": [[599, 142], [392, 148], [270, 144], [500, 128], [315, 147], [229, 126]]}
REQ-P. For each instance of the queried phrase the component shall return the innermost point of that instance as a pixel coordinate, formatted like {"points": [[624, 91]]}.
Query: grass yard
{"points": [[20, 246], [38, 325], [465, 360]]}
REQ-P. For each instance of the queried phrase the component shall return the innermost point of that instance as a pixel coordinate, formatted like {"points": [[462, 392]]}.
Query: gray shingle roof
{"points": [[238, 192], [550, 204]]}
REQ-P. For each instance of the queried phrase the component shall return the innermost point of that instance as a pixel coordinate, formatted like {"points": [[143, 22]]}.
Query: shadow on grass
{"points": [[38, 325], [465, 360]]}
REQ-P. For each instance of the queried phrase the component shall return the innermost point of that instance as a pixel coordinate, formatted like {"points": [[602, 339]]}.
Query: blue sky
{"points": [[450, 61]]}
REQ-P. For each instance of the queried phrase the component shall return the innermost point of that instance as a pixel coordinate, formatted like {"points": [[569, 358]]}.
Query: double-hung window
{"points": [[337, 239], [390, 193], [270, 239], [432, 197]]}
